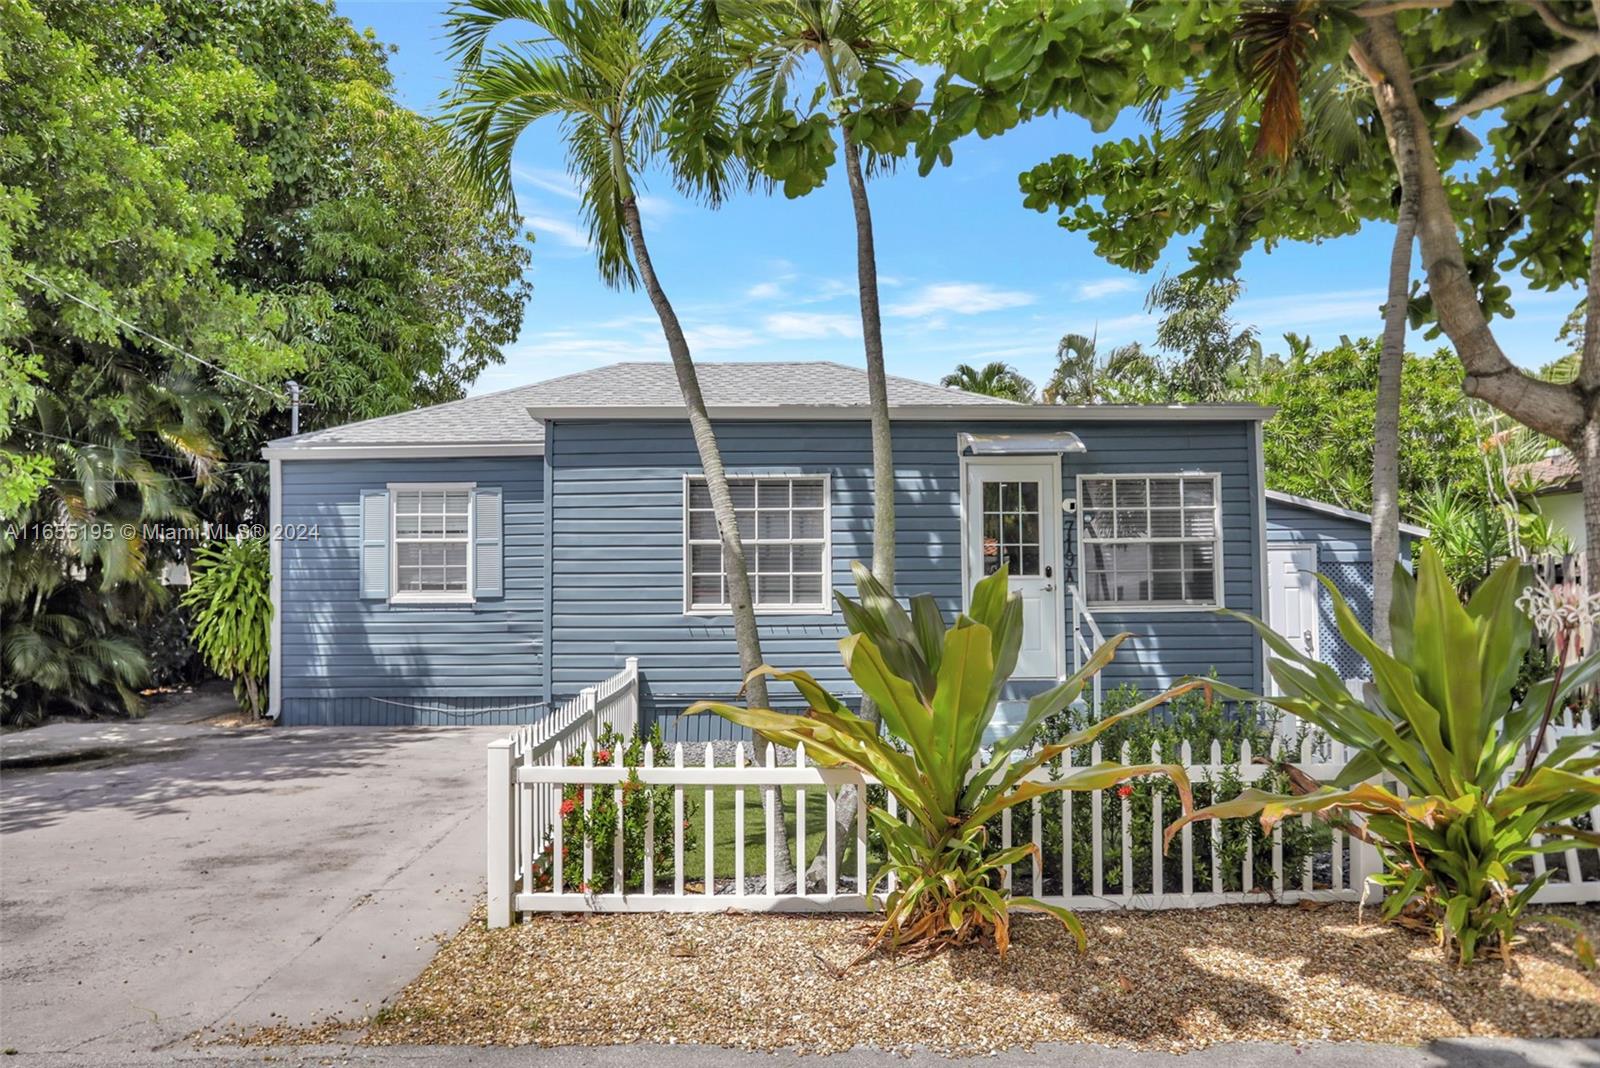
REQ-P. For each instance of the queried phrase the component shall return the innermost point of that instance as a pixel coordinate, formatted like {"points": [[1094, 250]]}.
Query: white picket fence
{"points": [[528, 773]]}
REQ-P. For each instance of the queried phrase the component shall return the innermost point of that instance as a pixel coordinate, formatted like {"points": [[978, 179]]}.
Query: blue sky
{"points": [[967, 273]]}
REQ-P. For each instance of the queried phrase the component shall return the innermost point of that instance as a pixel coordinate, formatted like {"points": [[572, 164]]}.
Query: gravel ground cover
{"points": [[1167, 981]]}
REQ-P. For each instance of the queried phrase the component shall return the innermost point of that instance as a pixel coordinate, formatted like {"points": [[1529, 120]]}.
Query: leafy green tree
{"points": [[1512, 194], [230, 601], [198, 201], [1126, 374], [992, 380], [1212, 356], [1320, 440]]}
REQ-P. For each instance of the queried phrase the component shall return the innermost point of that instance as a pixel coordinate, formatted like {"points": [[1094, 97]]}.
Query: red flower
{"points": [[603, 755], [1124, 790], [567, 806], [583, 888]]}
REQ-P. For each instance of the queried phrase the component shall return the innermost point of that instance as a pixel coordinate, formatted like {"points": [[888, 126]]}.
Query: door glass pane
{"points": [[1030, 560], [1030, 496]]}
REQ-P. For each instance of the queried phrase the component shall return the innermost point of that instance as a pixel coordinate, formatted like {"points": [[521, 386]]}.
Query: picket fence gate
{"points": [[528, 774]]}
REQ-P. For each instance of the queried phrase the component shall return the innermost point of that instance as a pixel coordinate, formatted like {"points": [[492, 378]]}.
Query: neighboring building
{"points": [[1306, 538], [470, 561], [1557, 489]]}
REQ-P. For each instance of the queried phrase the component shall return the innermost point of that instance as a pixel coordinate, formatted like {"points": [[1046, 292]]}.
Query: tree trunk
{"points": [[1386, 421], [1588, 452], [1552, 409], [746, 635], [877, 379]]}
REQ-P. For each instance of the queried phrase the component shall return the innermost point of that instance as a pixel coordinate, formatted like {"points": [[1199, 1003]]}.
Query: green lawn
{"points": [[755, 845]]}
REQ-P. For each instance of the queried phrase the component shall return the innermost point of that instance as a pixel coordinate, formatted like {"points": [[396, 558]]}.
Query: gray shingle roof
{"points": [[502, 418]]}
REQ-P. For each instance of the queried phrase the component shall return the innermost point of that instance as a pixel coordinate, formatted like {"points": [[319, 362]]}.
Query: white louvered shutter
{"points": [[375, 544], [488, 548]]}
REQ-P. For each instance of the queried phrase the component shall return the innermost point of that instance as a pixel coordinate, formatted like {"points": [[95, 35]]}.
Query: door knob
{"points": [[1049, 587], [1307, 639]]}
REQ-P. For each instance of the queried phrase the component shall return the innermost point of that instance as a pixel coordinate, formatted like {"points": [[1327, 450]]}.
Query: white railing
{"points": [[527, 781], [1085, 639], [521, 816]]}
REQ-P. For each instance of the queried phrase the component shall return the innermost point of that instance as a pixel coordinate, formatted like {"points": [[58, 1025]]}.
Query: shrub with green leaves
{"points": [[1190, 718], [1441, 720], [230, 606], [598, 821], [936, 686]]}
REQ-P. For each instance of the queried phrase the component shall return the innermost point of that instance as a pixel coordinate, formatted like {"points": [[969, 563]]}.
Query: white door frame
{"points": [[1315, 652], [1049, 519]]}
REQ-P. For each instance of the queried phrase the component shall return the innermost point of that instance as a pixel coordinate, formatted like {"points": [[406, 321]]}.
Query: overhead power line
{"points": [[156, 338]]}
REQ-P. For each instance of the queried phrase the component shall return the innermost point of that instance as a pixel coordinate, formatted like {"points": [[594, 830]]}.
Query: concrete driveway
{"points": [[226, 878]]}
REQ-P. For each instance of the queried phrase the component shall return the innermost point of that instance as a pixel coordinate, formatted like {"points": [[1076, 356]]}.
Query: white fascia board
{"points": [[1057, 413], [398, 452], [1333, 509]]}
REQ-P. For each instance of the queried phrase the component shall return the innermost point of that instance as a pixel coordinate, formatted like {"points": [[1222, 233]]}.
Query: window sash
{"points": [[783, 525], [432, 542], [1178, 513]]}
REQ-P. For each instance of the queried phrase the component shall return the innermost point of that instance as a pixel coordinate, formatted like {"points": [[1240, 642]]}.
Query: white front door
{"points": [[1292, 595], [1012, 513]]}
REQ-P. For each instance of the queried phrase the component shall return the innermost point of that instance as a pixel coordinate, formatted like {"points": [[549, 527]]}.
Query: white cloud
{"points": [[792, 326], [718, 337], [763, 291], [959, 298], [1358, 307], [548, 180], [559, 229], [1105, 287]]}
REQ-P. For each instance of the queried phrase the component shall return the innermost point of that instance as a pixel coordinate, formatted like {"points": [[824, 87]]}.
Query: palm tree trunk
{"points": [[745, 633], [1386, 421], [877, 379]]}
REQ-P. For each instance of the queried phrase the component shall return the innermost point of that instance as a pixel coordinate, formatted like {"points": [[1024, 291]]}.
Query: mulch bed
{"points": [[1167, 981]]}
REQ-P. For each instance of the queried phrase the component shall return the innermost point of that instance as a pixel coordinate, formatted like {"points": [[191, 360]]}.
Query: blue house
{"points": [[472, 561]]}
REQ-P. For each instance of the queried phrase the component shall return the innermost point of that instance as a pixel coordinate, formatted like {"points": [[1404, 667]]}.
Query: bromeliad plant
{"points": [[936, 688], [1445, 725]]}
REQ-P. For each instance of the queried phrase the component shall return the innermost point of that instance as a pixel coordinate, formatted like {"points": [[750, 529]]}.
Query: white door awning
{"points": [[1044, 443]]}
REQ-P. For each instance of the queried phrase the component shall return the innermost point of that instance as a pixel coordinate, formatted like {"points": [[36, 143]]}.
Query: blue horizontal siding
{"points": [[349, 660], [1344, 555], [617, 546]]}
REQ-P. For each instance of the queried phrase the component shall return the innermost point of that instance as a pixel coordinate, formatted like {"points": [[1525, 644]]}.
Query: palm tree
{"points": [[1084, 376], [992, 380], [770, 40], [613, 74]]}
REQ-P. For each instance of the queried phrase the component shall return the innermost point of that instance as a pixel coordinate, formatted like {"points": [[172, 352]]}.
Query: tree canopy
{"points": [[198, 201]]}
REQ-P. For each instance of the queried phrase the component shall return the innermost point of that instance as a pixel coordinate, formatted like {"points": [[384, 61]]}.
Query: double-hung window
{"points": [[432, 543], [783, 525], [1151, 540]]}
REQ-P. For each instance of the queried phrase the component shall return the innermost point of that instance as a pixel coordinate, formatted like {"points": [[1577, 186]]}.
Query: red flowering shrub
{"points": [[596, 818]]}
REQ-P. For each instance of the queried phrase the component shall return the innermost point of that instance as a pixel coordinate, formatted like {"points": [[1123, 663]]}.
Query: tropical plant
{"points": [[1442, 722], [995, 379], [230, 601], [627, 82], [1188, 719], [936, 687], [594, 819], [1085, 375], [770, 43]]}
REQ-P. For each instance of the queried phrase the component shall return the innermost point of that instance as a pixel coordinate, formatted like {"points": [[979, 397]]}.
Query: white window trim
{"points": [[432, 597], [826, 607], [1151, 606]]}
